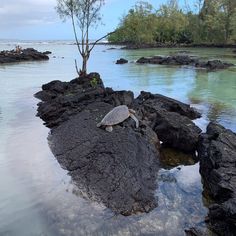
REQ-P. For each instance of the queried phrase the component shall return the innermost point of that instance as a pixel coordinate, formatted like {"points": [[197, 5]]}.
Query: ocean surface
{"points": [[37, 196]]}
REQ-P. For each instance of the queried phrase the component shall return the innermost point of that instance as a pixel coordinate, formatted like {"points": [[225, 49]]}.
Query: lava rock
{"points": [[118, 169], [28, 54], [63, 99], [158, 101], [117, 98], [47, 52], [217, 153], [184, 60], [121, 61], [170, 119]]}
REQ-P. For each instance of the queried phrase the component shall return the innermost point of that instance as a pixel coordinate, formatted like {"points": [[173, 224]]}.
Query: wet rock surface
{"points": [[217, 152], [118, 169], [185, 60], [28, 54]]}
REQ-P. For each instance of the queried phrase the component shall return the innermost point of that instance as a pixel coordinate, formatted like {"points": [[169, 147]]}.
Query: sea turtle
{"points": [[117, 115]]}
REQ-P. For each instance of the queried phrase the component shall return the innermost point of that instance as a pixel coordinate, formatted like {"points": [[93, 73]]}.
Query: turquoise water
{"points": [[38, 198]]}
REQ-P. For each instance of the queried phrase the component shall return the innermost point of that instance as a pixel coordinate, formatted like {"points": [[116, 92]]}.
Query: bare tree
{"points": [[84, 14]]}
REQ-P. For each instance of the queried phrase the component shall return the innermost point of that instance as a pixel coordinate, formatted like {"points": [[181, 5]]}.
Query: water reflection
{"points": [[172, 81], [215, 92]]}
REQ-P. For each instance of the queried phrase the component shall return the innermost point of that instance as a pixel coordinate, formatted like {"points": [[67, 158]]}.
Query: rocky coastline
{"points": [[119, 169], [28, 54]]}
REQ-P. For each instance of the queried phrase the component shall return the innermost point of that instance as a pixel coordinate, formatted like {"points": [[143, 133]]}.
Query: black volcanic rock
{"points": [[118, 169], [28, 54], [47, 52], [170, 119], [185, 60], [117, 98], [121, 61], [63, 99], [217, 153]]}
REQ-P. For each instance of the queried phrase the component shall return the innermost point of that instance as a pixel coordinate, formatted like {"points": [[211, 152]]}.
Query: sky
{"points": [[38, 19]]}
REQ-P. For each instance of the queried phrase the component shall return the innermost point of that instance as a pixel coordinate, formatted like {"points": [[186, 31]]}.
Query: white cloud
{"points": [[16, 13]]}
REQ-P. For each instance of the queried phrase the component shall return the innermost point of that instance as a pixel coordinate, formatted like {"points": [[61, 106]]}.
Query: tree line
{"points": [[207, 21]]}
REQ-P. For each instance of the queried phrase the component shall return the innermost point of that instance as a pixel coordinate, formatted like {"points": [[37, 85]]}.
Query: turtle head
{"points": [[132, 111]]}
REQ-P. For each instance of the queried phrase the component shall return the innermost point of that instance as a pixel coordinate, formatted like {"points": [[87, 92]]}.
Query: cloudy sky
{"points": [[37, 19]]}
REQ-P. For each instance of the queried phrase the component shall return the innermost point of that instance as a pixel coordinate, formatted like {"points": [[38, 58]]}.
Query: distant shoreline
{"points": [[162, 45]]}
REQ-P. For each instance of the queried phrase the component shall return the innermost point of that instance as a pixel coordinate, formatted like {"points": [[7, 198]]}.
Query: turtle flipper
{"points": [[109, 128], [135, 119], [99, 124]]}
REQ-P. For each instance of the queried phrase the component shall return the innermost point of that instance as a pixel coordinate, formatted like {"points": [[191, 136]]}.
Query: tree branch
{"points": [[76, 67], [93, 45], [74, 29]]}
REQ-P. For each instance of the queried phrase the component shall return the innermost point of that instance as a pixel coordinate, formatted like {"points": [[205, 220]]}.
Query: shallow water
{"points": [[38, 198]]}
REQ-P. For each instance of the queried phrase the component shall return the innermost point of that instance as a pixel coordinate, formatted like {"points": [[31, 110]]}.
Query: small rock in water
{"points": [[121, 61]]}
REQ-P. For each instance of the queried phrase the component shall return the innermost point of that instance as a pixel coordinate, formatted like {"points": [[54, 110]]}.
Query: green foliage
{"points": [[172, 24], [211, 21], [94, 82], [138, 26]]}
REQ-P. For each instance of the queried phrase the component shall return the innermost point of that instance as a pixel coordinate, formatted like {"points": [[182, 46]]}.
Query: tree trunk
{"points": [[84, 65]]}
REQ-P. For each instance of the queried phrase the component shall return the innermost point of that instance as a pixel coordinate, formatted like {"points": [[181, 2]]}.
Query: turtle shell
{"points": [[116, 115]]}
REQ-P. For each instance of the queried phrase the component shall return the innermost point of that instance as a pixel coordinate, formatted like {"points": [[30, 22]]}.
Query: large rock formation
{"points": [[28, 54], [217, 152], [185, 60], [119, 168]]}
